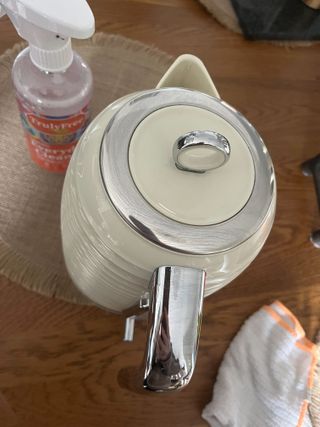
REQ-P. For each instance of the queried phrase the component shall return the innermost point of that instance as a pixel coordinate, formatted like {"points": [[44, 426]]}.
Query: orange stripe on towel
{"points": [[306, 345], [302, 343], [303, 411], [297, 326], [279, 320]]}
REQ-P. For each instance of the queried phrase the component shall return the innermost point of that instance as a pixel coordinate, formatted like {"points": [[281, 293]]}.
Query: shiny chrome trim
{"points": [[197, 139], [173, 327], [146, 220], [129, 328]]}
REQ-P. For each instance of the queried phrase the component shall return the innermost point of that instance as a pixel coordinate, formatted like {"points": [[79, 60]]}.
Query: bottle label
{"points": [[51, 140]]}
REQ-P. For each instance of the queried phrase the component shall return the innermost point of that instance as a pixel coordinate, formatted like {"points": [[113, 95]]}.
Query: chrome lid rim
{"points": [[144, 218]]}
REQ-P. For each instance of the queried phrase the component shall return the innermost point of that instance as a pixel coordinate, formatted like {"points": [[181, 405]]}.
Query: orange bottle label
{"points": [[51, 140]]}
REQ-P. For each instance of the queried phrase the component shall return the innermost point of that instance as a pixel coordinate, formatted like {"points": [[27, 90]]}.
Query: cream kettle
{"points": [[169, 196]]}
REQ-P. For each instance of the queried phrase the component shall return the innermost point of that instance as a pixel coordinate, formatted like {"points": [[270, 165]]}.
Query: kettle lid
{"points": [[186, 171]]}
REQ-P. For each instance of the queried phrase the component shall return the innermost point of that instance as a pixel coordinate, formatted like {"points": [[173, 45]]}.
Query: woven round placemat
{"points": [[30, 243]]}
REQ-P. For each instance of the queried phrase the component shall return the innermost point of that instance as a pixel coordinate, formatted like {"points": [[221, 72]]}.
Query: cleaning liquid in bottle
{"points": [[53, 83]]}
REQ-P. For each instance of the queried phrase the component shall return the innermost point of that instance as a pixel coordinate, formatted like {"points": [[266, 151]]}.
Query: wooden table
{"points": [[63, 365]]}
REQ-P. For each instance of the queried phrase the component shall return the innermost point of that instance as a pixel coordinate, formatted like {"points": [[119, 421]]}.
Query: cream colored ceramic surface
{"points": [[199, 199], [107, 260], [200, 158], [189, 71]]}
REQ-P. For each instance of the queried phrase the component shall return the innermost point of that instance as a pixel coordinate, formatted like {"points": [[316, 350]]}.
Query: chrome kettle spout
{"points": [[174, 323]]}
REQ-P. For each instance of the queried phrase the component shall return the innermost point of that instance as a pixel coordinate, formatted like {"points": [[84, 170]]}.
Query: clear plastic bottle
{"points": [[54, 108]]}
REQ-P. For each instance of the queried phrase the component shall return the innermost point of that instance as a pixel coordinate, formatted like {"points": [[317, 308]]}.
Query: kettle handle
{"points": [[175, 300], [189, 72]]}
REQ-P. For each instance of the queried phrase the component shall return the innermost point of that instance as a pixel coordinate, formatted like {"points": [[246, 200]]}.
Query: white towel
{"points": [[267, 374]]}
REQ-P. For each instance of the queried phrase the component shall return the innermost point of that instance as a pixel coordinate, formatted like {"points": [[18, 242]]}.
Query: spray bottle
{"points": [[53, 84]]}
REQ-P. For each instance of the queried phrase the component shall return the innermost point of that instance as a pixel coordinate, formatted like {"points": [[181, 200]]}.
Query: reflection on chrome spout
{"points": [[176, 297]]}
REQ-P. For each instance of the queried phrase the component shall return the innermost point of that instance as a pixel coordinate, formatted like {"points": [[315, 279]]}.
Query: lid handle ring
{"points": [[200, 151]]}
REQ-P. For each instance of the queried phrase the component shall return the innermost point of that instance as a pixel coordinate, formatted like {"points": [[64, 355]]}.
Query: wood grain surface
{"points": [[63, 365]]}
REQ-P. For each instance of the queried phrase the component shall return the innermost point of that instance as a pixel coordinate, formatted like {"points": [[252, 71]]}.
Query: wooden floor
{"points": [[65, 366]]}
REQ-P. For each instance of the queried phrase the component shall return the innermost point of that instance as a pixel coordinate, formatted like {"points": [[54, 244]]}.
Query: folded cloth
{"points": [[267, 374]]}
